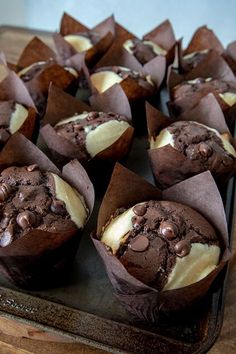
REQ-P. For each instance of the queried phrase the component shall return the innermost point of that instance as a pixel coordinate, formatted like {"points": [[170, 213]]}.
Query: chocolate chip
{"points": [[58, 207], [5, 191], [139, 243], [140, 210], [32, 167], [137, 221], [182, 248], [205, 150], [26, 219], [168, 229]]}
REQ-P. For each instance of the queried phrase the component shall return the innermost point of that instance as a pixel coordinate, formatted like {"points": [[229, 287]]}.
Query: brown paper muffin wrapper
{"points": [[61, 105], [105, 29], [13, 89], [36, 50], [141, 300], [169, 166], [36, 258], [53, 71], [230, 56], [202, 39]]}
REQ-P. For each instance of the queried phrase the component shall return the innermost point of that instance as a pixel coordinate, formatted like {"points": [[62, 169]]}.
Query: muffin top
{"points": [[200, 143], [31, 71], [143, 50], [107, 76], [34, 199], [93, 132], [164, 244], [187, 94]]}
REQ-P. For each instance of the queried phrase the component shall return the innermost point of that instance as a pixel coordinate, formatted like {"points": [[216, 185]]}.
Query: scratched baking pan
{"points": [[83, 307]]}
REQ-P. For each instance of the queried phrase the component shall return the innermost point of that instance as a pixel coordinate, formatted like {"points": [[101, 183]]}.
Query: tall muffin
{"points": [[76, 38], [160, 252], [194, 148], [39, 65], [164, 244], [43, 213], [73, 129]]}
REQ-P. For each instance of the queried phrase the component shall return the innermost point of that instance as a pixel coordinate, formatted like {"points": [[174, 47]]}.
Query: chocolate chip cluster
{"points": [[154, 235], [28, 200]]}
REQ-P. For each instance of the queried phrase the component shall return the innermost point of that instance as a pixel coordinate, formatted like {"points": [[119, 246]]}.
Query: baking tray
{"points": [[84, 308]]}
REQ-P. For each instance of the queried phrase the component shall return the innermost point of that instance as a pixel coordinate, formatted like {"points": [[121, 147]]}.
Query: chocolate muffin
{"points": [[143, 50], [38, 76], [13, 116], [92, 132], [187, 94], [28, 73], [104, 78], [199, 148], [164, 244], [33, 199]]}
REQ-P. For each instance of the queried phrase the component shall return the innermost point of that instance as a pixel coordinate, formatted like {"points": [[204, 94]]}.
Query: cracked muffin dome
{"points": [[93, 132], [33, 199], [204, 146], [164, 244]]}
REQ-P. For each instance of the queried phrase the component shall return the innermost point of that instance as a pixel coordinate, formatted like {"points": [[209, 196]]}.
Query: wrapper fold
{"points": [[204, 38], [38, 258], [69, 25], [61, 105], [230, 55], [12, 89], [125, 190], [170, 166]]}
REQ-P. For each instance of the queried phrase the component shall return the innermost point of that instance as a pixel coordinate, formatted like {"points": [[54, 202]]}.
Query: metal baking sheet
{"points": [[84, 308]]}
